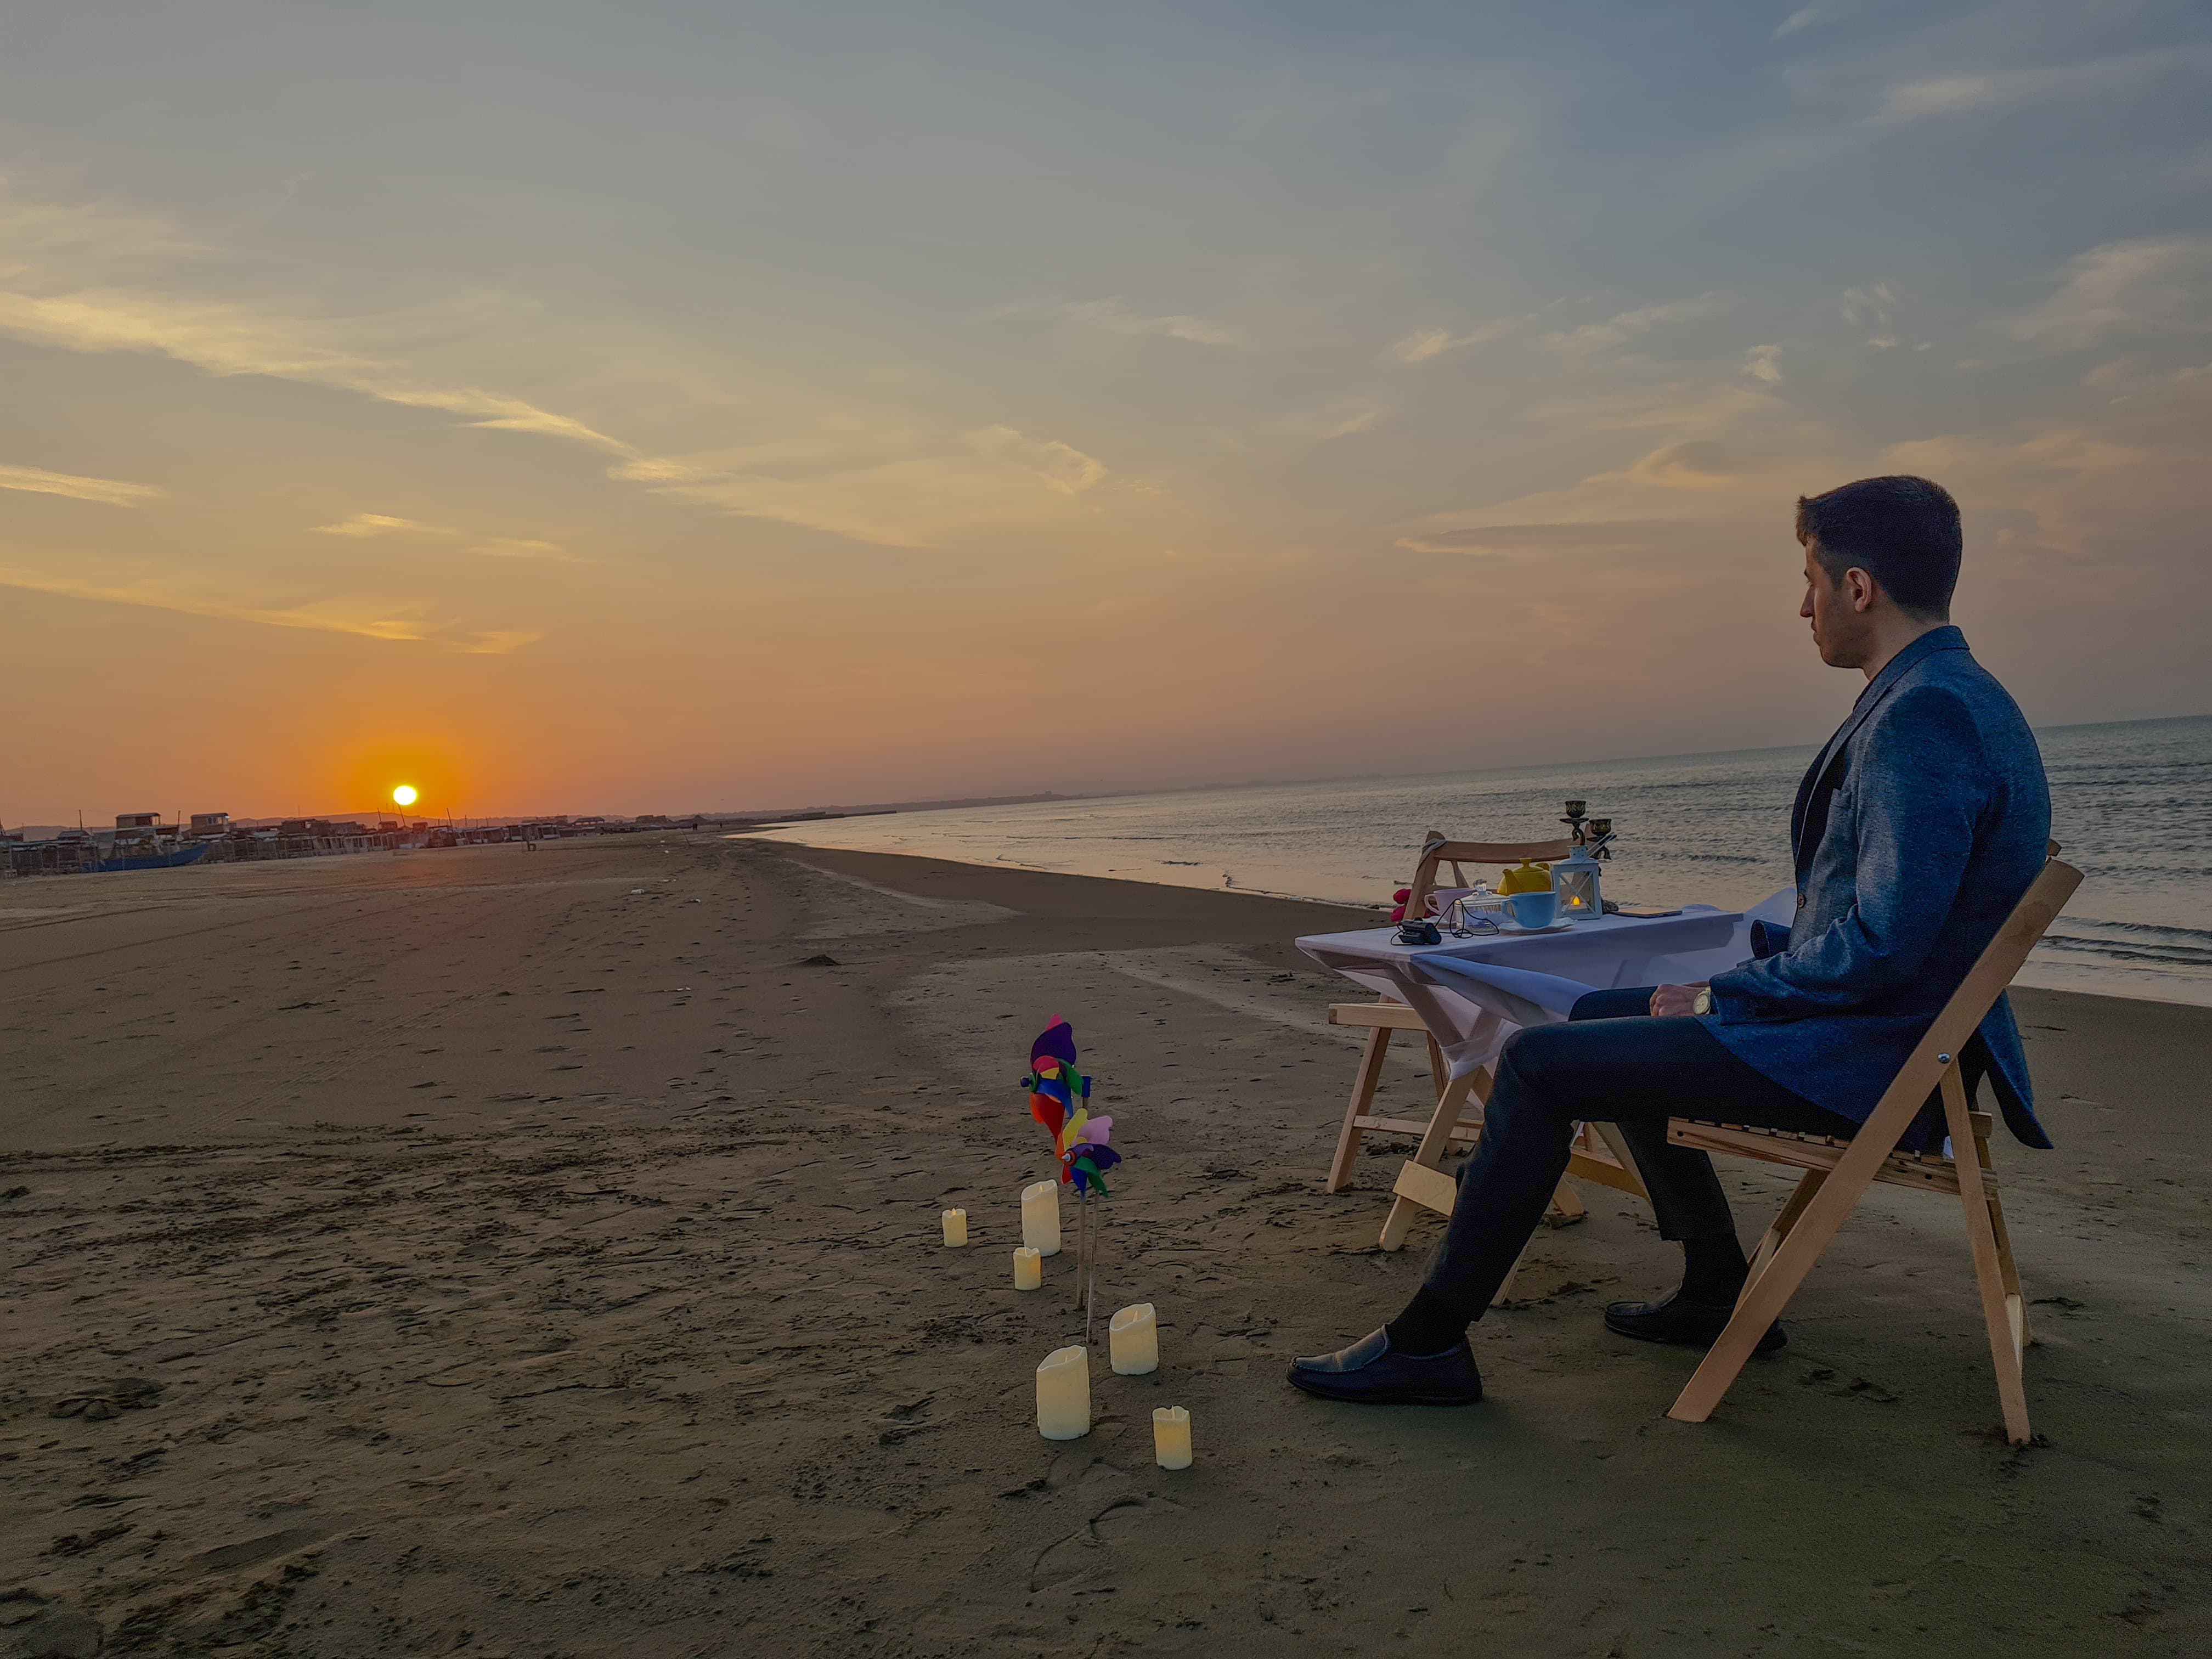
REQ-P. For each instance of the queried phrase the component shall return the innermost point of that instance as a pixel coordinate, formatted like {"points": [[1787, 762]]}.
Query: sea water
{"points": [[2131, 803]]}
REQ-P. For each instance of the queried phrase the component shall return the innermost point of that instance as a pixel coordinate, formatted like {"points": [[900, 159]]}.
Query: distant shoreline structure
{"points": [[140, 841]]}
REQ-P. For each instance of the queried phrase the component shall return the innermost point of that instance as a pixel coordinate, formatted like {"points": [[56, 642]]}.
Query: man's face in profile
{"points": [[1839, 626]]}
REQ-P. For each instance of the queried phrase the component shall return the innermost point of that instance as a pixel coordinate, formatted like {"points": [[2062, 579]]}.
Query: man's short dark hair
{"points": [[1902, 530]]}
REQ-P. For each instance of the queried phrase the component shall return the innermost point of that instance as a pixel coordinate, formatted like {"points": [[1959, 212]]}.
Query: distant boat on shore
{"points": [[168, 858]]}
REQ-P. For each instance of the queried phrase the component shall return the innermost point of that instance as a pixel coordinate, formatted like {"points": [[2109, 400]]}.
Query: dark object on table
{"points": [[1419, 932]]}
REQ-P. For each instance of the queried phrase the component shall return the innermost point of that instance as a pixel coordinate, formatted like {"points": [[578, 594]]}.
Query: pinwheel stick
{"points": [[1080, 1213], [1089, 1266]]}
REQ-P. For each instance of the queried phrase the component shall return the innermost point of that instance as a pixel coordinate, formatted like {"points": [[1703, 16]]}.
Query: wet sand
{"points": [[493, 1252]]}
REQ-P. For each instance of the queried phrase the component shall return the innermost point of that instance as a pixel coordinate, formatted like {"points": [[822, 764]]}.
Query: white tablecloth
{"points": [[1472, 994]]}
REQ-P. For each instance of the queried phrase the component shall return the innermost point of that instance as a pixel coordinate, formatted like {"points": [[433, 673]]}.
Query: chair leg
{"points": [[1364, 1082], [1611, 1137], [2010, 1271], [1782, 1224], [1767, 1291], [2013, 1297], [1566, 1206], [2000, 1307], [1505, 1286], [1434, 1144]]}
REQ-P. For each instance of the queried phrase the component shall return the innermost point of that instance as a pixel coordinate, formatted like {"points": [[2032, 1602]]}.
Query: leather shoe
{"points": [[1369, 1371], [1678, 1319]]}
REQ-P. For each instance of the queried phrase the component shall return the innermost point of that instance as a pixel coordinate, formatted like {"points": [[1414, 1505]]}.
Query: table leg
{"points": [[1434, 1144], [1566, 1207], [1365, 1083]]}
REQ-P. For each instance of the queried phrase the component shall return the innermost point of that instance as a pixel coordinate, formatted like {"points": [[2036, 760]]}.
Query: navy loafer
{"points": [[1692, 1324], [1369, 1371]]}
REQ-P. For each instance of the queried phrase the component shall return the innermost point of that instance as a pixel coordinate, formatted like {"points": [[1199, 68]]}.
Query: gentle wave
{"points": [[2179, 956]]}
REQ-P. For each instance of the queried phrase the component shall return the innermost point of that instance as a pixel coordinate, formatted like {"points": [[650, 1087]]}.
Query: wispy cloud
{"points": [[365, 524], [1682, 405], [516, 546], [381, 524], [1114, 315], [1060, 466], [1798, 22], [721, 463], [1698, 464], [1605, 536], [2153, 285], [1762, 362], [1678, 495], [109, 492], [51, 239], [1340, 417], [909, 501], [1420, 348], [1964, 93], [1871, 307], [225, 339], [1627, 325], [407, 624]]}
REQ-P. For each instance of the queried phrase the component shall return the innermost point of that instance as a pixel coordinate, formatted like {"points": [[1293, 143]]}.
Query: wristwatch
{"points": [[1704, 1005]]}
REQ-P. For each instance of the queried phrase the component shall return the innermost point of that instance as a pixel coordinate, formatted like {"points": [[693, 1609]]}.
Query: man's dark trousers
{"points": [[1613, 1064]]}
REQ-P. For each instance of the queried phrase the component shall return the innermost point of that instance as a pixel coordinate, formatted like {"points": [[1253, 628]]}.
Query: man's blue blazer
{"points": [[1915, 833]]}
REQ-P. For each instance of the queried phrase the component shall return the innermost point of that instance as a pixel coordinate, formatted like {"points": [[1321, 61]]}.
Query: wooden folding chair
{"points": [[1384, 1020], [1838, 1172]]}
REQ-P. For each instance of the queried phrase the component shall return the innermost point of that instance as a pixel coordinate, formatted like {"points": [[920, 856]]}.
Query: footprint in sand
{"points": [[108, 1400]]}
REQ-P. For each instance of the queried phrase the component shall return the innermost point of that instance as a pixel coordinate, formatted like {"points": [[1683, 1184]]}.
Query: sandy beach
{"points": [[495, 1253]]}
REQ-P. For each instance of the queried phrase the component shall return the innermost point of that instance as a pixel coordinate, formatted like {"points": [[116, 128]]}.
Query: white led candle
{"points": [[1134, 1339], [1172, 1438], [1063, 1389], [1040, 1217], [1029, 1269], [956, 1227]]}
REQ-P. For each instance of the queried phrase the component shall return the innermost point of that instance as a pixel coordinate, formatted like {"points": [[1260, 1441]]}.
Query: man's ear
{"points": [[1862, 589]]}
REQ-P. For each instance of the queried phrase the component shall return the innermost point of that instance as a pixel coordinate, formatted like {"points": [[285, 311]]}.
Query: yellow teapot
{"points": [[1526, 877]]}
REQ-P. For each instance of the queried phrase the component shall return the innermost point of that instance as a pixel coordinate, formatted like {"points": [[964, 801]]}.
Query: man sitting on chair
{"points": [[1918, 828]]}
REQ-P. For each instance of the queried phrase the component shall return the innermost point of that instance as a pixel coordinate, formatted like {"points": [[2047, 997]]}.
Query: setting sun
{"points": [[404, 795]]}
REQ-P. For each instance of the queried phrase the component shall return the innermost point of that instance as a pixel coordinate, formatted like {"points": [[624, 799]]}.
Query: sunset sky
{"points": [[669, 406]]}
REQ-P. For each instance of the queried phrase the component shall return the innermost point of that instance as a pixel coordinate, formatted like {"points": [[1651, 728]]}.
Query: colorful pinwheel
{"points": [[1084, 1157], [1059, 1097], [1056, 1088]]}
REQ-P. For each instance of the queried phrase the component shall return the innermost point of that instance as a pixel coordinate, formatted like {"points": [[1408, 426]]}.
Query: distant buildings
{"points": [[141, 841]]}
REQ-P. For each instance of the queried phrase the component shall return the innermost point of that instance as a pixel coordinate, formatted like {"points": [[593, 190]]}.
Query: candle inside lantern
{"points": [[1172, 1438], [1134, 1340], [956, 1227], [1040, 1217], [1063, 1390], [1029, 1269], [1575, 878]]}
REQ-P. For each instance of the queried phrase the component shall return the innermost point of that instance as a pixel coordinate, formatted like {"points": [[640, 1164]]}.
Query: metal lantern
{"points": [[1575, 879]]}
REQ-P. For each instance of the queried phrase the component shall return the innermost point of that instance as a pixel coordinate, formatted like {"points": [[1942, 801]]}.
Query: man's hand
{"points": [[1668, 1001]]}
